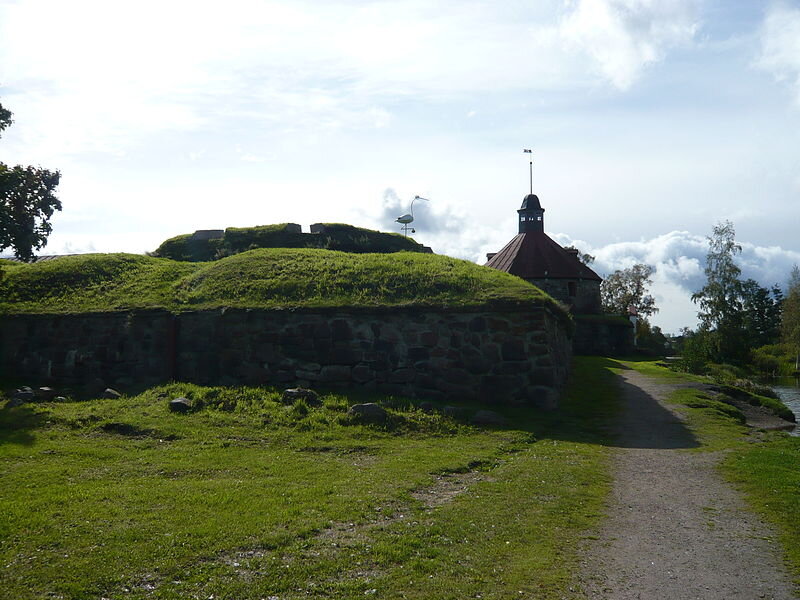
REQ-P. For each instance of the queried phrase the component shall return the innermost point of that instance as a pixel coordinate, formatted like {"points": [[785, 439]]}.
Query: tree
{"points": [[761, 308], [720, 299], [790, 318], [27, 202], [627, 289]]}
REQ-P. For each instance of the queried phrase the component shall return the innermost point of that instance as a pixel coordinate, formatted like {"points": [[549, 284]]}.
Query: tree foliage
{"points": [[720, 315], [735, 316], [27, 203], [790, 321], [5, 118], [719, 302], [627, 288], [761, 313]]}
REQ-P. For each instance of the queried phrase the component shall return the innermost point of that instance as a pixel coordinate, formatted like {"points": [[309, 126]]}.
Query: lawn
{"points": [[248, 498]]}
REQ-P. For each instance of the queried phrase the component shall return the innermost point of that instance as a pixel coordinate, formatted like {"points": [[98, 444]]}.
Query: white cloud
{"points": [[780, 45], [625, 36]]}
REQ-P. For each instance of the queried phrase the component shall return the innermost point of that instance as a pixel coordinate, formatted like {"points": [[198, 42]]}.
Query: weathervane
{"points": [[408, 218], [527, 151]]}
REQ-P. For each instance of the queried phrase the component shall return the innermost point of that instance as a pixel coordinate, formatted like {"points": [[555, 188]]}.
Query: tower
{"points": [[531, 215], [540, 260]]}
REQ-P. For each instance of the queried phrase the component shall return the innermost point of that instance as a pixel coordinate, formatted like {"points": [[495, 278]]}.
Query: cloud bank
{"points": [[679, 260]]}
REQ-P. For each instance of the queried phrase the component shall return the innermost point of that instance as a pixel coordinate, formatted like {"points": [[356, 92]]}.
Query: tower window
{"points": [[572, 289]]}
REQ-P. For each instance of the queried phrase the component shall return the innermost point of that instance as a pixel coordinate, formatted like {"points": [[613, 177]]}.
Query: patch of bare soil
{"points": [[675, 530]]}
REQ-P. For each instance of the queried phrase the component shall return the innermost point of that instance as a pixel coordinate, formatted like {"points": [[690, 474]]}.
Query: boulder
{"points": [[293, 394], [23, 394], [45, 393], [180, 405], [427, 407], [110, 394], [488, 417], [368, 413]]}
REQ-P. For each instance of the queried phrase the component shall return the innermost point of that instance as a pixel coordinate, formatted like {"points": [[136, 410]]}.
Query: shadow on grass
{"points": [[16, 424]]}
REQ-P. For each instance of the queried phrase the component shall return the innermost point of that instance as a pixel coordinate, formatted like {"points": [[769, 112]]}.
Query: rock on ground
{"points": [[369, 413]]}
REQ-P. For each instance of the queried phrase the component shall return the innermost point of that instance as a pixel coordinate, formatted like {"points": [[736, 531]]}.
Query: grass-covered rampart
{"points": [[335, 236], [264, 278]]}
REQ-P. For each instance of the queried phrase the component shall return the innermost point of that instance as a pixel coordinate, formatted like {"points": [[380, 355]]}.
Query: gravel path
{"points": [[675, 530]]}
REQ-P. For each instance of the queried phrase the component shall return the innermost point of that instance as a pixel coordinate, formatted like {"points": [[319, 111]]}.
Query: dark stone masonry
{"points": [[502, 356]]}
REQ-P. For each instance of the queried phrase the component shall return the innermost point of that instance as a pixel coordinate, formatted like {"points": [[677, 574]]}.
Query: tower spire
{"points": [[528, 151]]}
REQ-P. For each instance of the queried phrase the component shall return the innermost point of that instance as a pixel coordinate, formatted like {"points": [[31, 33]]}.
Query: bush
{"points": [[696, 354], [724, 373], [774, 360]]}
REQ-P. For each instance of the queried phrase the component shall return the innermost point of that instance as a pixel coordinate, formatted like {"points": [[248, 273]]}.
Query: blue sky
{"points": [[650, 121]]}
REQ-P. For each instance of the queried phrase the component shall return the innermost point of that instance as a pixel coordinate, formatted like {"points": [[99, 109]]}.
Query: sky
{"points": [[650, 121]]}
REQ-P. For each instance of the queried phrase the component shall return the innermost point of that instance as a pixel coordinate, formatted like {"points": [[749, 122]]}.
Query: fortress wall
{"points": [[493, 356]]}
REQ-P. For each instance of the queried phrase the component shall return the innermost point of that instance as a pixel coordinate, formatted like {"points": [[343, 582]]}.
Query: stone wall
{"points": [[586, 299], [603, 335], [503, 356]]}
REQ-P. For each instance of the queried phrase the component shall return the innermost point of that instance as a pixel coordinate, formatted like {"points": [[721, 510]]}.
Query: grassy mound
{"points": [[264, 278], [335, 236]]}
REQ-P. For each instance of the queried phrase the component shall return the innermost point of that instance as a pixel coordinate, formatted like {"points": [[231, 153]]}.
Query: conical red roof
{"points": [[533, 255]]}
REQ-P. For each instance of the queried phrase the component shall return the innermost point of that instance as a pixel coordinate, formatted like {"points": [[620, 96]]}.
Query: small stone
{"points": [[180, 405], [110, 394], [488, 417], [59, 399], [293, 394], [427, 407], [369, 413]]}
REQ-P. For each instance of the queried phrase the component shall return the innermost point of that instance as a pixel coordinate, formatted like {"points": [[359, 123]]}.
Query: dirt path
{"points": [[675, 529]]}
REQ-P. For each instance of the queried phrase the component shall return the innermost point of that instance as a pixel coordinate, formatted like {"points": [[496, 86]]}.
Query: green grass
{"points": [[768, 473], [265, 278], [763, 465], [247, 498]]}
